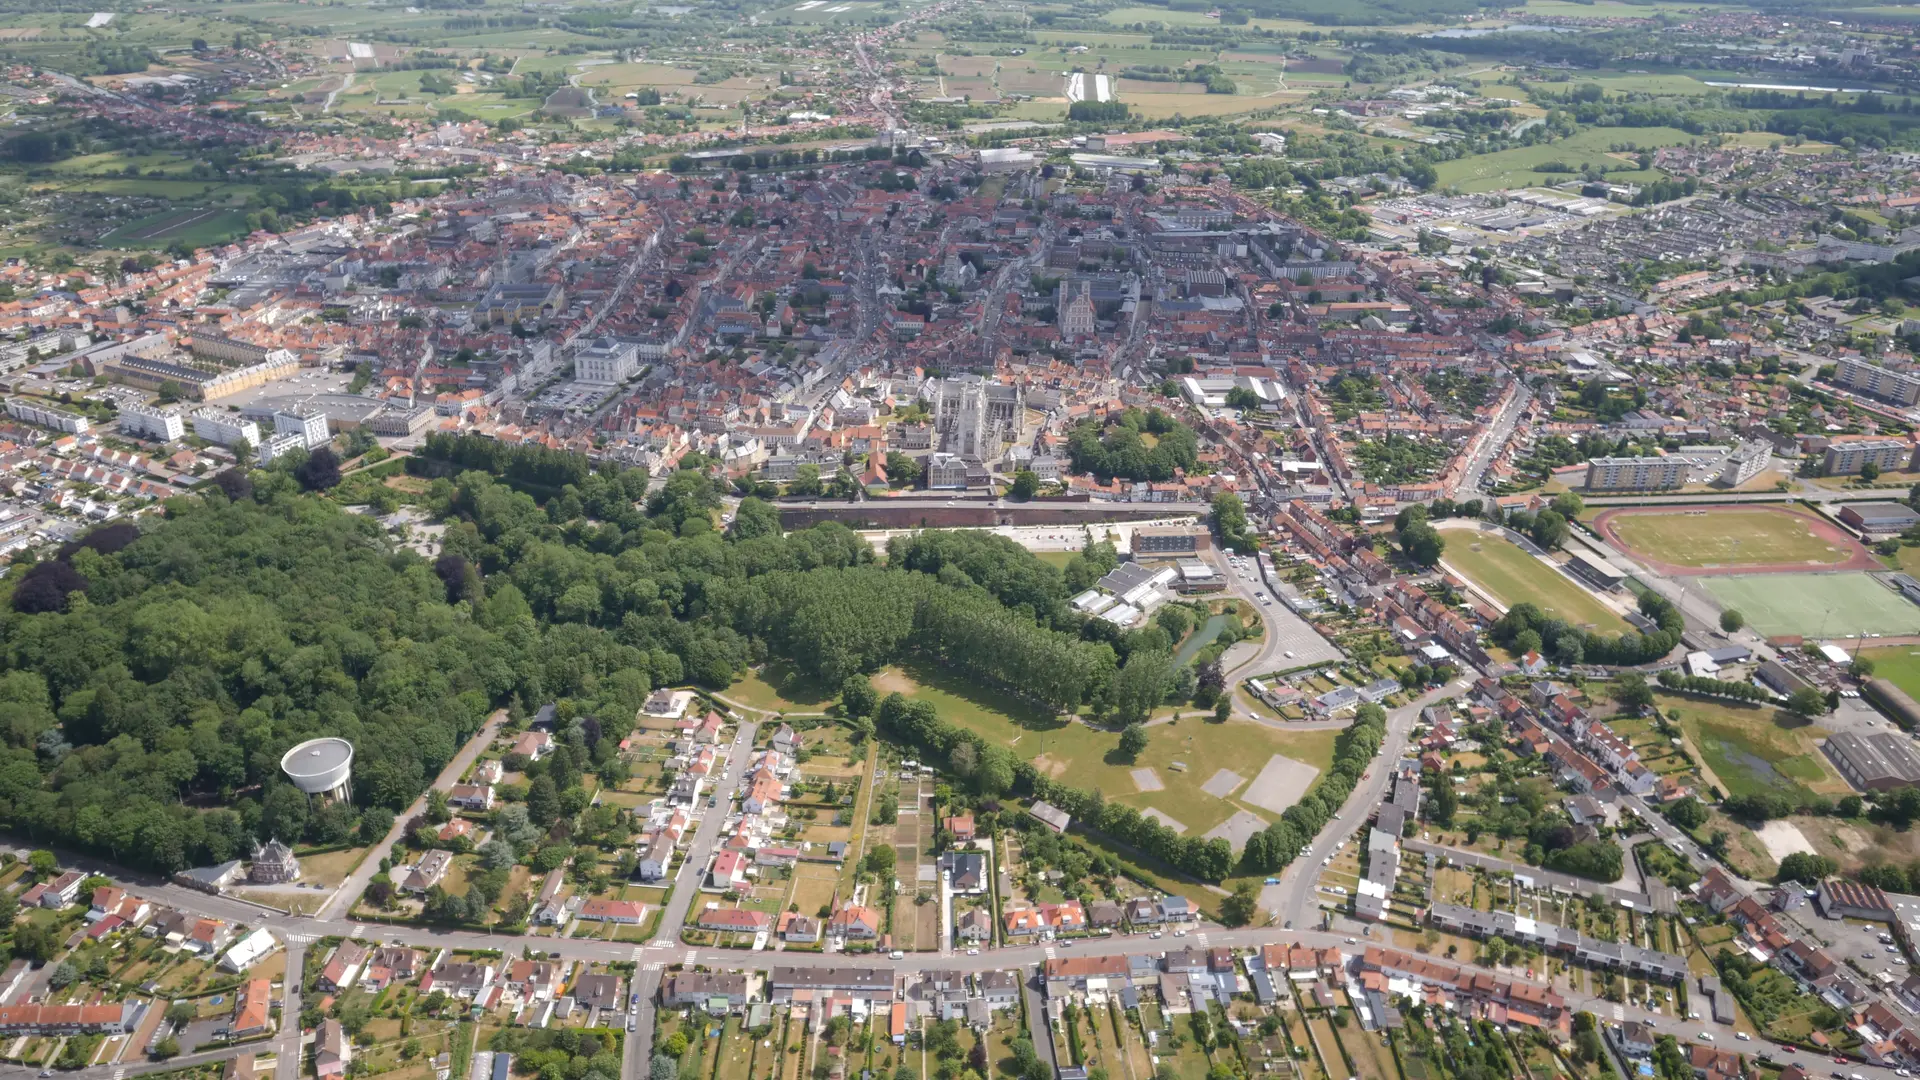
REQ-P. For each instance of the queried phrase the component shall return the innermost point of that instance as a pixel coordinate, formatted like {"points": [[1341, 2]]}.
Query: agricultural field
{"points": [[1730, 536], [1182, 761], [1820, 605], [1511, 576], [1520, 167], [1745, 749]]}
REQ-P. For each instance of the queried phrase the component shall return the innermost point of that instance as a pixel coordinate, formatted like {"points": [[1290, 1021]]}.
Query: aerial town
{"points": [[960, 540]]}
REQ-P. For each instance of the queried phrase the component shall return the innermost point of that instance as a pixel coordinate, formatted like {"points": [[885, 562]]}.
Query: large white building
{"points": [[1747, 462], [606, 362], [146, 422], [309, 424], [47, 416], [279, 444], [224, 428], [1212, 391], [1636, 473]]}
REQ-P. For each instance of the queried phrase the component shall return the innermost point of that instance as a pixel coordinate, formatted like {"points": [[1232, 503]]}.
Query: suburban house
{"points": [[253, 1009], [734, 920], [342, 967], [425, 874], [855, 923], [614, 911], [656, 857], [471, 797], [331, 1051], [533, 745], [249, 951]]}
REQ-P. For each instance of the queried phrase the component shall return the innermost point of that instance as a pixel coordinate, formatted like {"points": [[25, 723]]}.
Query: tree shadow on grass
{"points": [[1021, 712]]}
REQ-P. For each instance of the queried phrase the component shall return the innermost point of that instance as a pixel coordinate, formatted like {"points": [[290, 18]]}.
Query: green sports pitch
{"points": [[1510, 576], [1815, 605]]}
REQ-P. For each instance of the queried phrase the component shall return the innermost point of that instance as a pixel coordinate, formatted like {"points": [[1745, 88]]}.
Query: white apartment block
{"points": [[1747, 462], [1850, 457], [145, 422], [309, 424], [47, 416], [224, 428], [278, 444], [1873, 380], [1636, 473]]}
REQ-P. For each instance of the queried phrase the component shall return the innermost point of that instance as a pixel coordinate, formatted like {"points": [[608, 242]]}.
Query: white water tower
{"points": [[322, 767]]}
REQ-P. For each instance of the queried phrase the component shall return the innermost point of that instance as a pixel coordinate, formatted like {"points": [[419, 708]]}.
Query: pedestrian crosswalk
{"points": [[1052, 953], [638, 952], [693, 957], [1200, 940], [1619, 1014]]}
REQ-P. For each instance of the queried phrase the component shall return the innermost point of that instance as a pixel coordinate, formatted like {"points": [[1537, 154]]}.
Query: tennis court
{"points": [[1815, 605]]}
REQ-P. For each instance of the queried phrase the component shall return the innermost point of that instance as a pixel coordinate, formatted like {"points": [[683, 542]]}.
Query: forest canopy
{"points": [[154, 679]]}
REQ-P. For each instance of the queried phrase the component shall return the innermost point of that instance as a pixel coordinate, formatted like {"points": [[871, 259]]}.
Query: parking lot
{"points": [[1293, 642]]}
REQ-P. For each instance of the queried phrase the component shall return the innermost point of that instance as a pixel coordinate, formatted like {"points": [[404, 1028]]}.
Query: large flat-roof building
{"points": [[1850, 457], [145, 422], [309, 424], [805, 983], [200, 383], [606, 362], [1003, 159], [1636, 473], [227, 350], [1874, 760], [1746, 462], [1899, 387], [1878, 519], [30, 411], [224, 429]]}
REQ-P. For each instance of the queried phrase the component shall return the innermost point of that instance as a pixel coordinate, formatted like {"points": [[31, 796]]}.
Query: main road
{"points": [[348, 894]]}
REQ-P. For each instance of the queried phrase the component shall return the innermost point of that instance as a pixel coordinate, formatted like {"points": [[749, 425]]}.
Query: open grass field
{"points": [[1755, 748], [1761, 140], [1520, 167], [1820, 605], [1511, 576], [1730, 536], [1898, 664], [1183, 754], [194, 226], [779, 687]]}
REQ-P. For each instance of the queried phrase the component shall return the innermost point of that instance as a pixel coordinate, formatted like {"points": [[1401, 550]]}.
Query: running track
{"points": [[1861, 559]]}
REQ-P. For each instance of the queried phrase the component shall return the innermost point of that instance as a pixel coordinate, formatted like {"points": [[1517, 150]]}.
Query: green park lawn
{"points": [[1755, 748], [779, 687], [1512, 576], [1087, 757]]}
